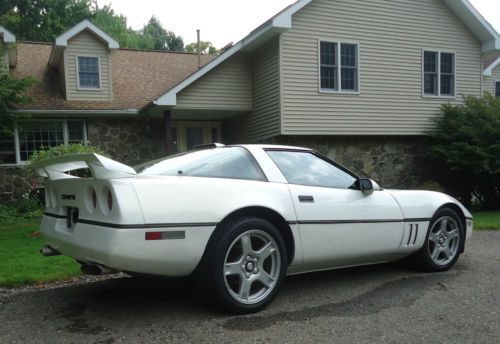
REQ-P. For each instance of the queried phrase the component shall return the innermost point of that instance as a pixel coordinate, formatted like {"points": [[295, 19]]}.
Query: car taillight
{"points": [[110, 200], [91, 199], [106, 200]]}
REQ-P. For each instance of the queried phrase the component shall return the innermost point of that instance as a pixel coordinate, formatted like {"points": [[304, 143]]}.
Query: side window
{"points": [[305, 168], [88, 72], [497, 89]]}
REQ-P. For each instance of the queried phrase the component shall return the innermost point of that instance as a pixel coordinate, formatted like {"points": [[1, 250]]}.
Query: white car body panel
{"points": [[342, 227]]}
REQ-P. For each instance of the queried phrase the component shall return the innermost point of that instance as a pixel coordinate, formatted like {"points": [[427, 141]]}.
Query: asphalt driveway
{"points": [[373, 304]]}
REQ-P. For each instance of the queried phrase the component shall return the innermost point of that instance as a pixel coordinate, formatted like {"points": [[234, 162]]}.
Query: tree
{"points": [[12, 93], [115, 25], [465, 150], [206, 48], [42, 20], [161, 38]]}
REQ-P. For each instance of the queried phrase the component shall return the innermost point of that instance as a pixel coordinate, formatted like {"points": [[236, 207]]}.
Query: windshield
{"points": [[228, 162]]}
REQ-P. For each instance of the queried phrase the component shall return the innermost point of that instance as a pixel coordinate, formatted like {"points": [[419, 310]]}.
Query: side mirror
{"points": [[366, 186]]}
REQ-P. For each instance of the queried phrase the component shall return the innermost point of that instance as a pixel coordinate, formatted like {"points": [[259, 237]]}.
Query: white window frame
{"points": [[78, 74], [439, 52], [339, 90], [17, 147]]}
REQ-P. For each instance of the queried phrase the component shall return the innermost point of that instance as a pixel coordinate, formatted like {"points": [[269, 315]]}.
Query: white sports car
{"points": [[239, 218]]}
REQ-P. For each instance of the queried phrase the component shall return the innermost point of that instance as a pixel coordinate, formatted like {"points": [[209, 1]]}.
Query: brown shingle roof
{"points": [[139, 77], [489, 60]]}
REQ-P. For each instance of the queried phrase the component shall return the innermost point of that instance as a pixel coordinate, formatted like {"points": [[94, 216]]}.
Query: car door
{"points": [[339, 225]]}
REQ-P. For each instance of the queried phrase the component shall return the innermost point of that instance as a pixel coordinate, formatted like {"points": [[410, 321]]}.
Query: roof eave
{"points": [[276, 25], [489, 71]]}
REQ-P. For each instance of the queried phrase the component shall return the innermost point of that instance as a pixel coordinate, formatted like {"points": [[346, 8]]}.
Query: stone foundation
{"points": [[128, 141], [125, 140], [394, 162]]}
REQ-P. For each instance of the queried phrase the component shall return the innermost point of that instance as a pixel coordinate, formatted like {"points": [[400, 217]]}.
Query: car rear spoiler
{"points": [[100, 167]]}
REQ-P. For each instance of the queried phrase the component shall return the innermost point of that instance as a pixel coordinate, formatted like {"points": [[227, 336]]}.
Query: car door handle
{"points": [[306, 199]]}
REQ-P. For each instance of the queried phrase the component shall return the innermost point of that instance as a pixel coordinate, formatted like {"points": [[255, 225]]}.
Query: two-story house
{"points": [[361, 81]]}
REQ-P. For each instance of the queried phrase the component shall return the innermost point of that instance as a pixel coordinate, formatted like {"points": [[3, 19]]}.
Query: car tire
{"points": [[443, 242], [244, 265]]}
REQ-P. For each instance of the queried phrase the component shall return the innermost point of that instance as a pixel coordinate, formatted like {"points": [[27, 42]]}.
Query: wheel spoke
{"points": [[265, 279], [444, 224], [453, 234], [434, 237], [245, 286], [265, 251], [447, 252], [436, 253], [246, 245], [233, 269]]}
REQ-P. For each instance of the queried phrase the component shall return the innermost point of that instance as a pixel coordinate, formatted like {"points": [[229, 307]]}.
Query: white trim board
{"points": [[489, 71], [62, 40]]}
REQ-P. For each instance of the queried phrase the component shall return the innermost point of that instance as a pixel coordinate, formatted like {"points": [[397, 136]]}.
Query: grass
{"points": [[486, 220], [21, 262]]}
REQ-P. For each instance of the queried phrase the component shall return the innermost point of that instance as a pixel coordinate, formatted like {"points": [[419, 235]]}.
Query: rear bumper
{"points": [[125, 249]]}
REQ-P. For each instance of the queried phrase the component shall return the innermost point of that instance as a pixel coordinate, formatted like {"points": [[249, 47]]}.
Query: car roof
{"points": [[270, 146]]}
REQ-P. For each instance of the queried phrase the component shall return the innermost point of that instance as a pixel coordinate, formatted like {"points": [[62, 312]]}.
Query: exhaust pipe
{"points": [[48, 251], [95, 270]]}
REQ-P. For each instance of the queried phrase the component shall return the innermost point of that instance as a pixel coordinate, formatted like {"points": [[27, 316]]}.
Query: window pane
{"points": [[430, 62], [88, 72], [447, 88], [349, 79], [328, 53], [348, 55], [430, 83], [305, 168], [497, 89], [75, 132], [329, 78], [447, 63], [194, 137], [7, 149], [230, 162], [37, 134]]}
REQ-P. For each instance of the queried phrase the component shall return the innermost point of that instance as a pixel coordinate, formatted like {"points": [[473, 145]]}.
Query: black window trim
{"points": [[322, 157]]}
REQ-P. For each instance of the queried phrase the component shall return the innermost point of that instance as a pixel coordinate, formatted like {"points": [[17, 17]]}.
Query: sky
{"points": [[224, 21]]}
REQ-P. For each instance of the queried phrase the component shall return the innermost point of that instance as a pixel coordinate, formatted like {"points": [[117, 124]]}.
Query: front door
{"points": [[188, 134], [339, 225]]}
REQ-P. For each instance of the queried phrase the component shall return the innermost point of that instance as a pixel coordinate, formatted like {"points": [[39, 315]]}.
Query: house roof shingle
{"points": [[139, 76]]}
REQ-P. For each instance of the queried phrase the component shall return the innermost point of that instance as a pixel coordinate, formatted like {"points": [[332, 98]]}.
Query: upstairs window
{"points": [[497, 89], [439, 74], [88, 72], [338, 67]]}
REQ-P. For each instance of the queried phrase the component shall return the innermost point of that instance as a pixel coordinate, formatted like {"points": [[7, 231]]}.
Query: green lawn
{"points": [[20, 260], [487, 220]]}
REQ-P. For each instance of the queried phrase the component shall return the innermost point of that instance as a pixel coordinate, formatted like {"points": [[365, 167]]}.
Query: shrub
{"points": [[465, 151]]}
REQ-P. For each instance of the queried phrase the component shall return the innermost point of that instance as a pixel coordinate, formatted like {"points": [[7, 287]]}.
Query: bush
{"points": [[50, 152], [465, 151]]}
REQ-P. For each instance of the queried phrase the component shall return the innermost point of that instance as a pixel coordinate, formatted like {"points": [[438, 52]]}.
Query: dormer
{"points": [[7, 42], [82, 57]]}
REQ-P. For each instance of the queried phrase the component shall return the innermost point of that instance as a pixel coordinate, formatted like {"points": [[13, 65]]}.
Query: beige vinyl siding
{"points": [[489, 81], [227, 87], [264, 120], [86, 44], [391, 37]]}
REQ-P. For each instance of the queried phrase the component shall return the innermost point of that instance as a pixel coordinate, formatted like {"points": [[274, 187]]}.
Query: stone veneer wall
{"points": [[125, 140], [393, 161], [128, 141]]}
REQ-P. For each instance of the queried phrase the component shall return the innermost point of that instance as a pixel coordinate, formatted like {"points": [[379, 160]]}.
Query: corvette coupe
{"points": [[239, 218]]}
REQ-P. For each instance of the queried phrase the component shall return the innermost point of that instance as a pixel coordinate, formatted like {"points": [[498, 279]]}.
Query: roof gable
{"points": [[489, 71], [8, 37], [62, 40], [282, 21]]}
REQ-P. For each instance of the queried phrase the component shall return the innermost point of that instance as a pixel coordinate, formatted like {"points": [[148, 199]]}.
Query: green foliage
{"points": [[205, 46], [466, 149], [42, 20], [12, 93], [21, 261], [161, 39], [51, 152]]}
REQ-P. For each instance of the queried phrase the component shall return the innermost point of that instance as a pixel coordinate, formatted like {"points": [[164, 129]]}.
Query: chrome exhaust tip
{"points": [[48, 251]]}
